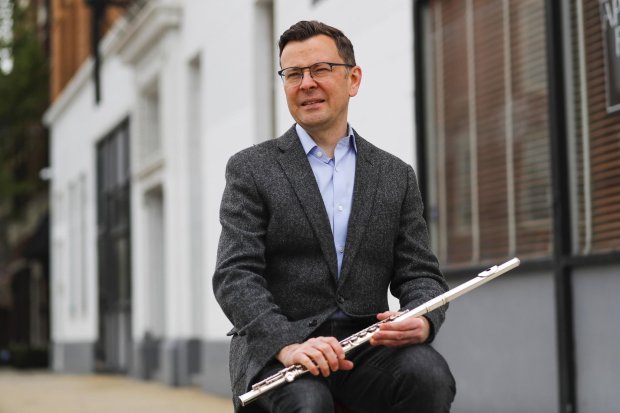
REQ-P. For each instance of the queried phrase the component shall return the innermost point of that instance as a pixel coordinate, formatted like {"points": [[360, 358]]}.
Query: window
{"points": [[488, 133], [114, 249], [596, 133]]}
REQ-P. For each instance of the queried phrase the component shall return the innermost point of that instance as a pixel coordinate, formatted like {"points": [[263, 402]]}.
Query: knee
{"points": [[305, 396], [438, 379], [312, 403], [435, 378], [430, 387], [305, 403]]}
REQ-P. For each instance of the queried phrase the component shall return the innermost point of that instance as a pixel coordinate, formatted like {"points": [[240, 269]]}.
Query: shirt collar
{"points": [[308, 143]]}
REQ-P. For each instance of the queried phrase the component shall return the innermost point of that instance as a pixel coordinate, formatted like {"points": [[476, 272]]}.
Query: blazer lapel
{"points": [[365, 188], [294, 162]]}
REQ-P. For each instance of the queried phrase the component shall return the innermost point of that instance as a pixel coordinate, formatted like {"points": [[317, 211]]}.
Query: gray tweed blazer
{"points": [[276, 272]]}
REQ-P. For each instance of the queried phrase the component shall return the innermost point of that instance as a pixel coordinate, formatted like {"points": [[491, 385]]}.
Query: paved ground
{"points": [[42, 391]]}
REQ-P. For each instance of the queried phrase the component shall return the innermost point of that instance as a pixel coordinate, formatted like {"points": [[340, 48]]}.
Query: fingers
{"points": [[345, 365], [401, 333], [386, 314], [319, 355]]}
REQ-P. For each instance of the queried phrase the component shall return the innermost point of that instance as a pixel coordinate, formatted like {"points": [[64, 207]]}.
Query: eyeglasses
{"points": [[292, 76]]}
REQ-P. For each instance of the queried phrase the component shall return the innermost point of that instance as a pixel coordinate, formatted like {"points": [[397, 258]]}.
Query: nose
{"points": [[307, 81]]}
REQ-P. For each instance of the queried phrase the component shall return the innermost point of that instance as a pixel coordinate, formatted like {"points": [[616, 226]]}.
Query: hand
{"points": [[319, 355], [413, 330]]}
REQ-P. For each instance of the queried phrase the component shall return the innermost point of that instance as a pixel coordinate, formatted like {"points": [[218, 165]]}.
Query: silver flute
{"points": [[289, 374]]}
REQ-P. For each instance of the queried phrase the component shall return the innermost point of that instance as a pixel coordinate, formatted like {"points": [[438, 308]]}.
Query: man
{"points": [[316, 226]]}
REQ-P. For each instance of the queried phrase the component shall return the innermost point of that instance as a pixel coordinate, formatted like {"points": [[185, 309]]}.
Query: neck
{"points": [[328, 139]]}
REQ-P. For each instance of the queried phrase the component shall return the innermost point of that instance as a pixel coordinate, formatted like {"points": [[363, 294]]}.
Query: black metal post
{"points": [[419, 116], [98, 8], [97, 15], [561, 208]]}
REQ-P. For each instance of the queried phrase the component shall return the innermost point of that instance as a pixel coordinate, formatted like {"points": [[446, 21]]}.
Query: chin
{"points": [[311, 121]]}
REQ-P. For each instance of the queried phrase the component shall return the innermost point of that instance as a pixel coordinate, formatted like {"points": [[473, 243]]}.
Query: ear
{"points": [[355, 79]]}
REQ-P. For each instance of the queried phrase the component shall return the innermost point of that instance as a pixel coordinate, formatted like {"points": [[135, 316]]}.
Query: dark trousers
{"points": [[413, 379]]}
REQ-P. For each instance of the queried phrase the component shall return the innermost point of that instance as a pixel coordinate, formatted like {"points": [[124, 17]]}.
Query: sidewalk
{"points": [[43, 391]]}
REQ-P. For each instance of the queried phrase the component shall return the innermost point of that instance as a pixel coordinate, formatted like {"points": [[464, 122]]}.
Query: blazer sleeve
{"points": [[239, 281], [417, 277]]}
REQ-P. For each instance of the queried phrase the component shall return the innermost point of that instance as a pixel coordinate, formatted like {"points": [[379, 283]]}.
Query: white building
{"points": [[138, 178]]}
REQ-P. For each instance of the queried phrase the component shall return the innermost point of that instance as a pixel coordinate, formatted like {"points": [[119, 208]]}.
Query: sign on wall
{"points": [[610, 18]]}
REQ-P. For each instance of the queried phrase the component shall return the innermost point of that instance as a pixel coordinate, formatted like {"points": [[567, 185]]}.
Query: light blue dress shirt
{"points": [[335, 178]]}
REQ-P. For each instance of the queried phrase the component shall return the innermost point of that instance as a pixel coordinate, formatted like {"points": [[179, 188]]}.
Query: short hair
{"points": [[304, 30]]}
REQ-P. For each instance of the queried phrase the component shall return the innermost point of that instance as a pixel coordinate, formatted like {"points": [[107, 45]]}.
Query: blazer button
{"points": [[313, 323], [340, 299]]}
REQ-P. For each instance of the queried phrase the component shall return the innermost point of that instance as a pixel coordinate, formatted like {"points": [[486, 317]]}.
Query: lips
{"points": [[309, 102]]}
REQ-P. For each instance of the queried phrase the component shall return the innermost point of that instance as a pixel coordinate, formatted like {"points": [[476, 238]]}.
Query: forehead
{"points": [[319, 48]]}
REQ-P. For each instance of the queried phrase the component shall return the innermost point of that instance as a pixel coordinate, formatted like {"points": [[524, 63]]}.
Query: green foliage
{"points": [[23, 100]]}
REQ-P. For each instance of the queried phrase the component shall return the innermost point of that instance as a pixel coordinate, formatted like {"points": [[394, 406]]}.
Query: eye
{"points": [[292, 74], [321, 70]]}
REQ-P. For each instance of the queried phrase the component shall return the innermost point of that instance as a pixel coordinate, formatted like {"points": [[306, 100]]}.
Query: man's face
{"points": [[322, 106]]}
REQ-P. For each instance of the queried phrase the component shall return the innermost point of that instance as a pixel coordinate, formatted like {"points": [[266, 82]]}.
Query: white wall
{"points": [[77, 125], [597, 337], [225, 29]]}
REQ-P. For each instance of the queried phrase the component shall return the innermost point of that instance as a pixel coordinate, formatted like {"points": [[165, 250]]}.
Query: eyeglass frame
{"points": [[303, 70]]}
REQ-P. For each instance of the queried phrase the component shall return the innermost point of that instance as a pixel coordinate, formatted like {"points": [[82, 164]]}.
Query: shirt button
{"points": [[340, 208], [337, 170], [319, 154], [341, 250]]}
